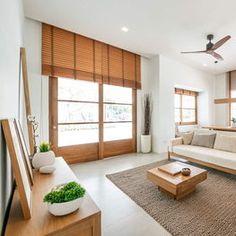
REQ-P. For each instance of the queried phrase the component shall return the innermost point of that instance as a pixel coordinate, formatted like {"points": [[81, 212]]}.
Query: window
{"points": [[77, 112], [117, 110], [185, 107], [90, 121]]}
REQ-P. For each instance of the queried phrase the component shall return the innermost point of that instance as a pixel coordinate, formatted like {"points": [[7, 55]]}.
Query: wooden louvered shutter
{"points": [[186, 92], [66, 54]]}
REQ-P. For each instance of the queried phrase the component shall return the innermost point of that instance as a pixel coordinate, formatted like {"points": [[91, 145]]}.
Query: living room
{"points": [[133, 105]]}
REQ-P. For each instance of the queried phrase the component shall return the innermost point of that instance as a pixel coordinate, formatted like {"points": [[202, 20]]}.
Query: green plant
{"points": [[233, 120], [66, 193], [44, 147]]}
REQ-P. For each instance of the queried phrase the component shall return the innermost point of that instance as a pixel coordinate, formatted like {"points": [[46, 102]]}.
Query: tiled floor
{"points": [[120, 215]]}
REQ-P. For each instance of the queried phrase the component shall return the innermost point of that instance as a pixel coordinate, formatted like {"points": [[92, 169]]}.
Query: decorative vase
{"points": [[41, 159], [65, 208], [145, 143]]}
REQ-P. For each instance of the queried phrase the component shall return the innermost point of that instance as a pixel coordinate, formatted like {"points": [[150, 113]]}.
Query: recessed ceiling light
{"points": [[124, 29], [204, 64]]}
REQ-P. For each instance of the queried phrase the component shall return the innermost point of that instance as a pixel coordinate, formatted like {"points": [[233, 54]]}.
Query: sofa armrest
{"points": [[174, 142]]}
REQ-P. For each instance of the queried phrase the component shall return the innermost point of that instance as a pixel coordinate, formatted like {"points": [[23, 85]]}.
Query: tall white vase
{"points": [[146, 143]]}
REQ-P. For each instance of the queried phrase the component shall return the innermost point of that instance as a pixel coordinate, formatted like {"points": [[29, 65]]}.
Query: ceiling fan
{"points": [[211, 47]]}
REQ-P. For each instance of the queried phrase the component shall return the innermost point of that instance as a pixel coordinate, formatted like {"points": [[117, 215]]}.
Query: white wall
{"points": [[174, 74], [221, 91], [11, 33], [38, 84], [146, 75], [159, 76]]}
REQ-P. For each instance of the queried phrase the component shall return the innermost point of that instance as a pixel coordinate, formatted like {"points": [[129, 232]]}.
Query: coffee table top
{"points": [[178, 178]]}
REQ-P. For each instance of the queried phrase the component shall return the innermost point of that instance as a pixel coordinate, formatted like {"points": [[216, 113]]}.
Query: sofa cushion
{"points": [[204, 140], [214, 156], [187, 138], [225, 143]]}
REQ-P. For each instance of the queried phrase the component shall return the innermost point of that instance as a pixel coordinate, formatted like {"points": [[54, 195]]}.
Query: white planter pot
{"points": [[233, 125], [145, 143], [65, 208], [43, 159]]}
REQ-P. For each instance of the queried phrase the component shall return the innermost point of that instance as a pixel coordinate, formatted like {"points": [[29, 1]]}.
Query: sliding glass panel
{"points": [[188, 101], [77, 134], [69, 112], [177, 115], [69, 89], [117, 131], [188, 115], [233, 110], [177, 101], [117, 94], [113, 112]]}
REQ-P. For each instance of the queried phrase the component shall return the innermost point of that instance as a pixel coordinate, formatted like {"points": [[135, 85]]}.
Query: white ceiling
{"points": [[164, 27]]}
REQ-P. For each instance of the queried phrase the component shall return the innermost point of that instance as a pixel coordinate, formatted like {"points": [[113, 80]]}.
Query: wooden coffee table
{"points": [[177, 185]]}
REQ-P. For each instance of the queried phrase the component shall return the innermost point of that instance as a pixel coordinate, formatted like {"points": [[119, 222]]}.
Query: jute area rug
{"points": [[210, 210]]}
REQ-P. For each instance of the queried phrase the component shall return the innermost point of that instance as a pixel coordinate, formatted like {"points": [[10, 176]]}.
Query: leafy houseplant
{"points": [[44, 147], [233, 122], [65, 199], [44, 159], [147, 118]]}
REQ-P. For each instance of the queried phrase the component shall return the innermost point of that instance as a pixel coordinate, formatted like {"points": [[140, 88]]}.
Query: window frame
{"points": [[181, 108], [89, 151]]}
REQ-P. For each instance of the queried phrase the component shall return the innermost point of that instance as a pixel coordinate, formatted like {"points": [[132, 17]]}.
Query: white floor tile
{"points": [[121, 216]]}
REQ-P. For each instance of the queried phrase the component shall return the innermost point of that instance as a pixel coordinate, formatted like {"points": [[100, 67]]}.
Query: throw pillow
{"points": [[225, 143], [204, 140], [187, 138]]}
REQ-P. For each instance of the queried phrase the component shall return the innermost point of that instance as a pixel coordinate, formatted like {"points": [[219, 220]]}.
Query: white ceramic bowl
{"points": [[65, 208]]}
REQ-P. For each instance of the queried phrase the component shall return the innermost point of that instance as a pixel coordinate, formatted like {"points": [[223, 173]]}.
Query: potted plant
{"points": [[233, 122], [147, 115], [65, 198], [45, 156]]}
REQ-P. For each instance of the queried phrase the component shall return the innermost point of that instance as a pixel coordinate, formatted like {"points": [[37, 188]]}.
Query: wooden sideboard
{"points": [[84, 222]]}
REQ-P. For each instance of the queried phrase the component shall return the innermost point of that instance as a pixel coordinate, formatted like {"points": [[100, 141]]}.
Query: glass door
{"points": [[90, 121], [75, 118]]}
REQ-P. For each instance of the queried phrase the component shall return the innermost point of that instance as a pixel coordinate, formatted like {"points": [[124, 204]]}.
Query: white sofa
{"points": [[212, 157]]}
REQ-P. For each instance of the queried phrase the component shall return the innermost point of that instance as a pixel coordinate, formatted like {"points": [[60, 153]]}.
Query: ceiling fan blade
{"points": [[221, 42], [216, 55], [193, 52]]}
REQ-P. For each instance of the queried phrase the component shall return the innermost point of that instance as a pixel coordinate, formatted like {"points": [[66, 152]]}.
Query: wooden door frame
{"points": [[103, 149]]}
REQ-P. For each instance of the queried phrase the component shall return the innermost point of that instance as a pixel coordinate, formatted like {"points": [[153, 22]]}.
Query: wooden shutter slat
{"points": [[138, 71], [129, 70], [105, 64], [63, 49], [115, 66], [46, 49]]}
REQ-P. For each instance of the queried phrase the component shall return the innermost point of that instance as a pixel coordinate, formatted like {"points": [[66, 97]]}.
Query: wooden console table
{"points": [[84, 222], [221, 128]]}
